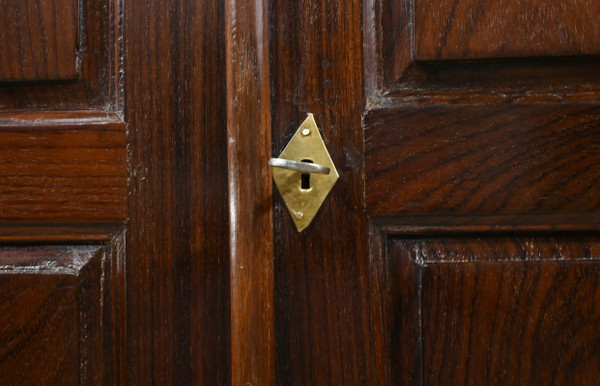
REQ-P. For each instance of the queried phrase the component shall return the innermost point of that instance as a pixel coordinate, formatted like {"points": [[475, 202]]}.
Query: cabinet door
{"points": [[63, 194], [113, 193], [482, 156], [460, 244]]}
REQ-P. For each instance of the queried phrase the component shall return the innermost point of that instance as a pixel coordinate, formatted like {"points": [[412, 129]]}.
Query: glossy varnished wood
{"points": [[494, 309], [177, 244], [40, 334], [506, 158], [61, 320], [60, 54], [172, 324], [431, 46], [250, 193], [475, 29], [492, 279], [321, 281], [63, 163], [39, 40], [65, 167], [481, 174], [53, 232]]}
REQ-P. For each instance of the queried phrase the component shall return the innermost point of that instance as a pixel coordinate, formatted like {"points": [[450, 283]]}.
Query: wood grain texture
{"points": [[481, 183], [178, 313], [250, 193], [477, 29], [495, 309], [61, 313], [321, 281], [62, 167], [395, 67], [81, 38], [480, 159], [38, 40], [24, 232]]}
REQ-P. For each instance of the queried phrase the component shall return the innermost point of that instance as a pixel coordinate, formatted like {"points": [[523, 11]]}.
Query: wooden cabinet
{"points": [[144, 242], [460, 243]]}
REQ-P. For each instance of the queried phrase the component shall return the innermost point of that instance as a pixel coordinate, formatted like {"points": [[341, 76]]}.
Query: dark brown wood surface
{"points": [[62, 167], [495, 309], [61, 314], [250, 194], [321, 288], [481, 181], [460, 244], [39, 40], [551, 70], [63, 178], [94, 26], [178, 317], [511, 158], [475, 29], [69, 177]]}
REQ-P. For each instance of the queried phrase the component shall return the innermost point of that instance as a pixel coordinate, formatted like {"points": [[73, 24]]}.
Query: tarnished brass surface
{"points": [[307, 144]]}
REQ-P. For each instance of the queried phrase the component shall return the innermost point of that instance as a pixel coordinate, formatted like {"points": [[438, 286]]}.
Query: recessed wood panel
{"points": [[494, 310], [67, 167], [483, 159], [59, 55], [38, 39], [50, 315], [477, 29], [500, 47]]}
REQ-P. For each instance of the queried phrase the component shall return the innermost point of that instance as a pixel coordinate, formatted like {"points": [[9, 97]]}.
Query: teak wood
{"points": [[143, 241]]}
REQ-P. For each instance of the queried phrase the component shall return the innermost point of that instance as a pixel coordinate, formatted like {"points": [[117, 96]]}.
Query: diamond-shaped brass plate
{"points": [[307, 144]]}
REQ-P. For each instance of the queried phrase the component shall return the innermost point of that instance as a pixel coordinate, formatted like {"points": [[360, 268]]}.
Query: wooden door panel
{"points": [[38, 40], [320, 305], [63, 181], [60, 314], [59, 55], [152, 74], [481, 143], [525, 158], [510, 46], [492, 309], [62, 167], [484, 29]]}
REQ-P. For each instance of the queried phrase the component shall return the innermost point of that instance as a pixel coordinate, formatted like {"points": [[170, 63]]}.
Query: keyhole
{"points": [[305, 177]]}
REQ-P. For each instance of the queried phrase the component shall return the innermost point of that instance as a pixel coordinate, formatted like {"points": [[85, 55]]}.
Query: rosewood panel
{"points": [[484, 29], [528, 158], [60, 317], [38, 40], [493, 309], [62, 167]]}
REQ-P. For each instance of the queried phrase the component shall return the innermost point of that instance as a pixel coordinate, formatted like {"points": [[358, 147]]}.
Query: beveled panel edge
{"points": [[436, 224], [54, 259], [471, 29], [96, 269], [59, 233], [381, 320], [384, 229], [99, 82], [407, 80], [71, 118]]}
